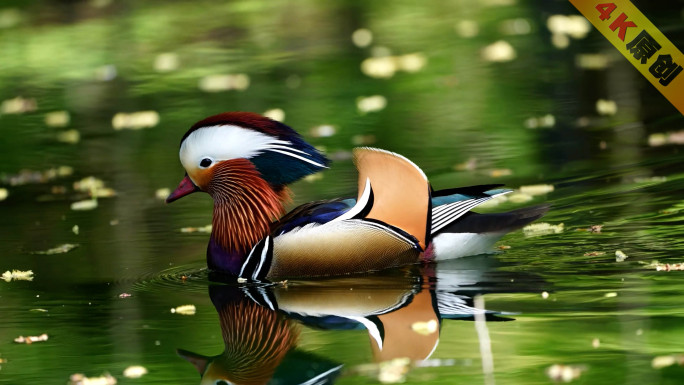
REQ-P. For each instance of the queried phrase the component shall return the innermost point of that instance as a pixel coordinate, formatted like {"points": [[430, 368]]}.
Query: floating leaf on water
{"points": [[88, 184], [425, 328], [595, 228], [27, 176], [595, 343], [135, 371], [124, 295], [536, 189], [3, 194], [620, 256], [69, 136], [166, 62], [518, 26], [61, 249], [591, 61], [394, 371], [468, 165], [362, 140], [497, 200], [17, 275], [275, 114], [18, 105], [612, 294], [500, 51], [203, 229], [162, 193], [106, 73], [313, 177], [606, 107], [88, 204], [499, 172], [575, 26], [503, 247], [518, 197], [666, 266], [81, 379], [323, 131], [366, 104], [217, 83], [31, 339], [467, 28], [184, 310], [379, 67], [38, 310], [660, 362], [565, 373], [135, 120], [594, 253], [362, 37], [412, 62], [57, 119], [542, 228], [545, 121]]}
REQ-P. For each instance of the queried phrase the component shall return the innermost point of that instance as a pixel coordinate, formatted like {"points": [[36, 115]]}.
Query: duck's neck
{"points": [[244, 207]]}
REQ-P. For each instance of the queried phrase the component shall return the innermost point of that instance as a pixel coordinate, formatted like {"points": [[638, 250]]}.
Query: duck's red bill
{"points": [[185, 187]]}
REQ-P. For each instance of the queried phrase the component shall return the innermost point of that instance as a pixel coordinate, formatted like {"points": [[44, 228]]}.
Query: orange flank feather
{"points": [[401, 194], [244, 204]]}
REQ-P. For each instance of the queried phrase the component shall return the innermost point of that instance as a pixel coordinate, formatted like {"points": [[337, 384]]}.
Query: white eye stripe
{"points": [[222, 143]]}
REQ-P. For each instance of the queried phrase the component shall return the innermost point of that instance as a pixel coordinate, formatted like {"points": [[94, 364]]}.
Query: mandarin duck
{"points": [[245, 161]]}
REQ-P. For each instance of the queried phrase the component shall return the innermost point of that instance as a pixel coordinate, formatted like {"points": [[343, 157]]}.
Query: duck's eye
{"points": [[206, 162], [221, 382]]}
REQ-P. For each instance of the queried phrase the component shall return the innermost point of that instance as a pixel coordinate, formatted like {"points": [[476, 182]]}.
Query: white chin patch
{"points": [[223, 142]]}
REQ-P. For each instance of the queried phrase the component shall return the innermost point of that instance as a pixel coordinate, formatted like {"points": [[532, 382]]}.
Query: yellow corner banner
{"points": [[641, 43]]}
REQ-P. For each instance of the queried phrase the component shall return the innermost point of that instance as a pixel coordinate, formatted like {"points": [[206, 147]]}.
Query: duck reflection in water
{"points": [[402, 312]]}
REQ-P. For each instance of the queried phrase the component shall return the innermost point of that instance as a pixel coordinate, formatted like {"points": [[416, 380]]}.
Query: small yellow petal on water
{"points": [[536, 189], [162, 193], [620, 256], [17, 275], [81, 379], [373, 103], [57, 119], [542, 228], [61, 249], [275, 114], [362, 37], [184, 310], [606, 107], [135, 371], [500, 51], [519, 197], [595, 343], [166, 62], [499, 172], [135, 120], [69, 136], [612, 294], [3, 194], [88, 204]]}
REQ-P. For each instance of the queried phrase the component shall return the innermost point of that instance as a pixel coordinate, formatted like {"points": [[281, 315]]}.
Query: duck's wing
{"points": [[318, 212], [388, 226]]}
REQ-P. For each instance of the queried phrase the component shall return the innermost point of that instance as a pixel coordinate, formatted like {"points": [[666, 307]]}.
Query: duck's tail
{"points": [[475, 233]]}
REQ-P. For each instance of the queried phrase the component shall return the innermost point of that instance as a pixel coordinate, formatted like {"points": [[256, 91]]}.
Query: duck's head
{"points": [[218, 147]]}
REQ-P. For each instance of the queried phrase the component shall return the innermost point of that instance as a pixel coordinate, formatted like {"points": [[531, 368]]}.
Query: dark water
{"points": [[607, 142]]}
